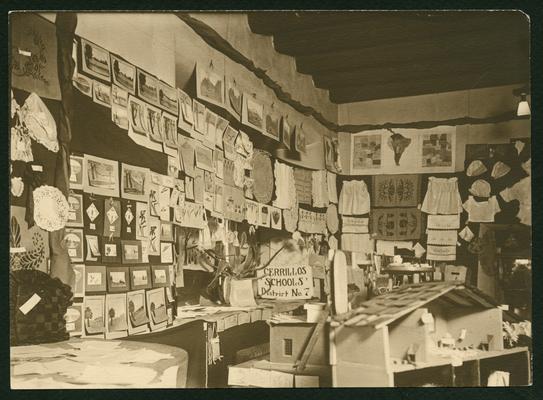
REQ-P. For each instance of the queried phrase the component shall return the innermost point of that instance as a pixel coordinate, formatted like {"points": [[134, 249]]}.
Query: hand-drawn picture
{"points": [[135, 183], [156, 301], [287, 131], [142, 224], [118, 279], [234, 97], [398, 144], [273, 122], [75, 213], [101, 93], [331, 154], [166, 253], [300, 138], [74, 244], [76, 172], [147, 87], [131, 251], [123, 74], [209, 86], [253, 113], [169, 130], [140, 277], [167, 98], [116, 320], [94, 314], [153, 120], [154, 236], [437, 150], [185, 106], [366, 152], [204, 158], [199, 111], [137, 312], [119, 107], [95, 60]]}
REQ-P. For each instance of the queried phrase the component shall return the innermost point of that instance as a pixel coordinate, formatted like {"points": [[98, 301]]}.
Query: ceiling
{"points": [[360, 56]]}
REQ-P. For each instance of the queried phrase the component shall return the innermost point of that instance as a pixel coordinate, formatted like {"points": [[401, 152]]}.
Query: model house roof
{"points": [[386, 308]]}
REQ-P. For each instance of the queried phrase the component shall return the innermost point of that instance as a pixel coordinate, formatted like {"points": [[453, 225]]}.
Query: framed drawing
{"points": [[135, 183], [95, 279], [160, 275], [75, 212], [167, 98], [101, 94], [73, 239], [101, 176], [147, 87], [116, 320], [299, 139], [273, 123], [366, 153], [95, 60], [287, 131], [209, 86], [137, 312], [234, 97], [111, 250], [123, 74], [131, 251], [76, 172], [140, 277], [156, 302], [118, 279], [252, 113]]}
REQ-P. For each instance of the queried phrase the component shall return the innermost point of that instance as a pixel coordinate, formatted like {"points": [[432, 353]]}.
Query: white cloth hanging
{"points": [[354, 198], [442, 196], [319, 189]]}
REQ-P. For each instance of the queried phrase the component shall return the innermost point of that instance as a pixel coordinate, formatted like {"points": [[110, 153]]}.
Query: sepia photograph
{"points": [[273, 199]]}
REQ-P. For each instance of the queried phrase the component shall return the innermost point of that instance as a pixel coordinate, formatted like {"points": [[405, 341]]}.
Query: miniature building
{"points": [[442, 334]]}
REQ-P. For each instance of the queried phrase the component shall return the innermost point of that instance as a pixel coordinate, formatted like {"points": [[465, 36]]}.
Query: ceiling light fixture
{"points": [[523, 108]]}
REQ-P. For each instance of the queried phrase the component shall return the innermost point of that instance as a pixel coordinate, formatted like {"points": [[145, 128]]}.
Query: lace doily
{"points": [[50, 208], [262, 175], [40, 123]]}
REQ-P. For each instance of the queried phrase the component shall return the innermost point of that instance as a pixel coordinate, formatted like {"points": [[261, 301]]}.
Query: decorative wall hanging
{"points": [[303, 183], [262, 175], [119, 107], [442, 238], [167, 98], [396, 224], [51, 208], [123, 74], [331, 154], [354, 198], [95, 60], [73, 240], [481, 211], [403, 150], [29, 247], [332, 221], [252, 113], [521, 191], [33, 55], [234, 98], [39, 122], [444, 221], [354, 225], [442, 196], [112, 220], [441, 253], [209, 85], [287, 130], [131, 251], [101, 94], [135, 183], [75, 212], [396, 190], [311, 222], [153, 120], [147, 87]]}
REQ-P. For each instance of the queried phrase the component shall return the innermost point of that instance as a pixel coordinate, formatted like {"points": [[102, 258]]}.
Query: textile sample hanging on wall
{"points": [[396, 190], [396, 224]]}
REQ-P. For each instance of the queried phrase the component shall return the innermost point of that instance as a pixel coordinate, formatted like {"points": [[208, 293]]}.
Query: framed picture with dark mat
{"points": [[160, 276], [95, 279], [140, 277], [111, 250], [118, 279]]}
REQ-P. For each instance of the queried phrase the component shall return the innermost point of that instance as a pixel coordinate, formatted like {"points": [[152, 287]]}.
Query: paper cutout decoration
{"points": [[112, 218], [396, 190], [396, 224], [263, 177]]}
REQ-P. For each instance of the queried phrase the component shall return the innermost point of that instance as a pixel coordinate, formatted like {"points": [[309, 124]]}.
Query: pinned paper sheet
{"points": [[30, 304]]}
